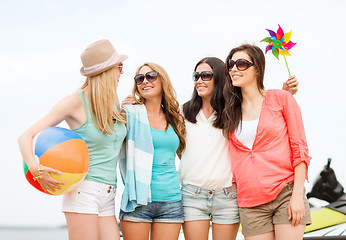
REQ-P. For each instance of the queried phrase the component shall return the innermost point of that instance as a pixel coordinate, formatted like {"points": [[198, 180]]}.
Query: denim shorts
{"points": [[91, 198], [165, 212], [218, 205]]}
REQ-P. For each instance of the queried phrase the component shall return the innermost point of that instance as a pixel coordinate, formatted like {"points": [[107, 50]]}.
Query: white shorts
{"points": [[91, 198]]}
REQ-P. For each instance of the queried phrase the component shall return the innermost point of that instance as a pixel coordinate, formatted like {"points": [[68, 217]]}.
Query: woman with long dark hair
{"points": [[268, 147], [205, 167]]}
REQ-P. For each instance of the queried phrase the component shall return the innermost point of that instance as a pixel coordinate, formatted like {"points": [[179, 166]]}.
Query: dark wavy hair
{"points": [[217, 101], [232, 114]]}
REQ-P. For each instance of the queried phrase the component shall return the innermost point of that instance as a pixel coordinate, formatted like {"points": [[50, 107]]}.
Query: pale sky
{"points": [[41, 42]]}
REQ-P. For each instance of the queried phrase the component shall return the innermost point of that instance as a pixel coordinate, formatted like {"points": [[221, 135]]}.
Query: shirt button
{"points": [[109, 191], [210, 192]]}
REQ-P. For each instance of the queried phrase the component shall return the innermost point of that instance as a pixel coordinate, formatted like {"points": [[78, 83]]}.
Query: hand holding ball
{"points": [[63, 150]]}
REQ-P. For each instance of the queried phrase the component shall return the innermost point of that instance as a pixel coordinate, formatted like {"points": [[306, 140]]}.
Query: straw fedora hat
{"points": [[99, 57]]}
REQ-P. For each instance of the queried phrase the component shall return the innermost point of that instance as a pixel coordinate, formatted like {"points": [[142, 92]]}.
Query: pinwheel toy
{"points": [[279, 43]]}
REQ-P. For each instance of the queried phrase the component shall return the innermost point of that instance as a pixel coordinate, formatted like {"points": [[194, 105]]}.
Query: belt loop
{"points": [[225, 190], [198, 190]]}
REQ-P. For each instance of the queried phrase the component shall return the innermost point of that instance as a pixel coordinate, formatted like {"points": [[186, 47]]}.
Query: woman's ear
{"points": [[257, 72]]}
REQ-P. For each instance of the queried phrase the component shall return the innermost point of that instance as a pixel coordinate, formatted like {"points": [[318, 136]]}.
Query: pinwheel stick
{"points": [[288, 70], [287, 66]]}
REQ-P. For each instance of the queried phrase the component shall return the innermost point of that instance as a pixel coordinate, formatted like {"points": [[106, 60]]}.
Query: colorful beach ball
{"points": [[63, 150]]}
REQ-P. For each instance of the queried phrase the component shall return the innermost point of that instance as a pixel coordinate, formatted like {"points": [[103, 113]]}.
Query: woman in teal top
{"points": [[165, 179], [92, 113], [163, 216], [103, 148]]}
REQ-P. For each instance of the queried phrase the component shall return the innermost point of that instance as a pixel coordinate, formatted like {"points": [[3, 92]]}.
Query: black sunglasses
{"points": [[150, 76], [242, 64], [205, 75]]}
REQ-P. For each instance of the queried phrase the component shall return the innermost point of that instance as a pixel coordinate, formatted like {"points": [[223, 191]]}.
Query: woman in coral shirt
{"points": [[268, 149]]}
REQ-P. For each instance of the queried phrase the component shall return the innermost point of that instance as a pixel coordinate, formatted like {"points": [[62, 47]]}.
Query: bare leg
{"points": [[289, 232], [135, 230], [264, 236], [225, 231], [82, 226], [196, 230], [108, 228], [165, 231]]}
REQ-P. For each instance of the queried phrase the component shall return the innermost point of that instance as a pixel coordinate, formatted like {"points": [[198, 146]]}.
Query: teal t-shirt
{"points": [[103, 148], [165, 186]]}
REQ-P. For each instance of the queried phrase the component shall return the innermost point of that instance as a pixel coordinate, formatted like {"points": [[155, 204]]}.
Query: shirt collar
{"points": [[201, 117]]}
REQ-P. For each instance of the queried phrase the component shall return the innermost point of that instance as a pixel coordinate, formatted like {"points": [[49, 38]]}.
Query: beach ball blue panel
{"points": [[45, 141]]}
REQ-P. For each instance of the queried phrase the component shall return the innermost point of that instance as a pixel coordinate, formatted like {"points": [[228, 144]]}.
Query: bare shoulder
{"points": [[71, 103], [73, 99]]}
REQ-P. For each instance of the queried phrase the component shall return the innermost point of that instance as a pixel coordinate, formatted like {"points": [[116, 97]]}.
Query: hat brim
{"points": [[122, 58]]}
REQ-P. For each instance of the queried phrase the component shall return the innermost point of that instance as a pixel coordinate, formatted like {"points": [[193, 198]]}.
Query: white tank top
{"points": [[246, 132]]}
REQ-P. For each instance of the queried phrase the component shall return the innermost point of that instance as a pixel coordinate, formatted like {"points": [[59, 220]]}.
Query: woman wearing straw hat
{"points": [[92, 113]]}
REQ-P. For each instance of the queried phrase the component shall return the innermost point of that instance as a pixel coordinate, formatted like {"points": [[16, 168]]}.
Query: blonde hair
{"points": [[169, 103], [102, 96]]}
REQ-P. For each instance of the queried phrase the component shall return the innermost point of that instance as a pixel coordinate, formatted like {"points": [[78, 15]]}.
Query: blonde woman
{"points": [[161, 215], [92, 113]]}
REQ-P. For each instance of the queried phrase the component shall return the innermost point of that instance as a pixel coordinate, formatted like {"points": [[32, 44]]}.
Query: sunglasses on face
{"points": [[150, 76], [242, 64], [205, 76]]}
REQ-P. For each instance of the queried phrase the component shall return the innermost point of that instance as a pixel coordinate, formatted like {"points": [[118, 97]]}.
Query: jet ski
{"points": [[329, 221]]}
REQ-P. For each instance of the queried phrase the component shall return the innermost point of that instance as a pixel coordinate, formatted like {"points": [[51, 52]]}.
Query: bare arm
{"points": [[296, 209], [60, 112]]}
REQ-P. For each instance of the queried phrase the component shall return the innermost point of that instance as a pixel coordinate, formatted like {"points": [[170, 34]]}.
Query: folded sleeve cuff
{"points": [[300, 153]]}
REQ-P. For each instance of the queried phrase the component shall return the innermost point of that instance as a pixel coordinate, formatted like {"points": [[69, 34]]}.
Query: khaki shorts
{"points": [[261, 219]]}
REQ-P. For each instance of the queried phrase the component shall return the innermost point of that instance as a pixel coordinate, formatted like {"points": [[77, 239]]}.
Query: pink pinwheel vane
{"points": [[279, 43]]}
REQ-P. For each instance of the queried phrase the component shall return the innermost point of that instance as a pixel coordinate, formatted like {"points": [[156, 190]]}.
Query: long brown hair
{"points": [[102, 94], [232, 114], [169, 103]]}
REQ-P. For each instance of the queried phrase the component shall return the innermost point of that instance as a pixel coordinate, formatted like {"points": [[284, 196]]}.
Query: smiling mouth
{"points": [[235, 77], [146, 88]]}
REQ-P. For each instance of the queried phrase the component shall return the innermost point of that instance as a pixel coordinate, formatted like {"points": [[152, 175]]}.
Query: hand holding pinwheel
{"points": [[279, 43]]}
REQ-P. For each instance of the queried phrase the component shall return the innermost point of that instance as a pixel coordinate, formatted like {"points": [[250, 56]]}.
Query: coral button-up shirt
{"points": [[280, 145]]}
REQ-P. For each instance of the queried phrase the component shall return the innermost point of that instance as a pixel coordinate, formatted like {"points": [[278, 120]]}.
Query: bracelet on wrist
{"points": [[39, 175]]}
